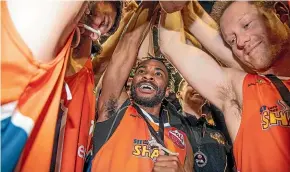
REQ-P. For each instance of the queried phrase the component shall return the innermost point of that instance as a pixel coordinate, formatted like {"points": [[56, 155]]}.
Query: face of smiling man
{"points": [[255, 36], [149, 83]]}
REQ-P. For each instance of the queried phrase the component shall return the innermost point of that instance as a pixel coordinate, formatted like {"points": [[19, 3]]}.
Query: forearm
{"points": [[121, 64], [197, 67], [211, 39]]}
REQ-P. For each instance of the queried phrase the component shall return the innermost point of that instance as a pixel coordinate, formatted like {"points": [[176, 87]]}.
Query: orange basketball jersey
{"points": [[77, 119], [130, 147], [30, 97], [262, 142]]}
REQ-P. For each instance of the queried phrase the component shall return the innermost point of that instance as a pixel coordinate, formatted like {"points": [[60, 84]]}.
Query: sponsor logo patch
{"points": [[143, 148], [277, 115], [258, 81], [177, 138]]}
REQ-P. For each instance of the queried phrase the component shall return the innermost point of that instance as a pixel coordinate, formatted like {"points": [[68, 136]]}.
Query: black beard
{"points": [[147, 102]]}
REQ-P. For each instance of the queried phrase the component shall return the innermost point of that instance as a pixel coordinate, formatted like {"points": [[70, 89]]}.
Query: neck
{"points": [[80, 55], [192, 109], [152, 110], [84, 48], [280, 66]]}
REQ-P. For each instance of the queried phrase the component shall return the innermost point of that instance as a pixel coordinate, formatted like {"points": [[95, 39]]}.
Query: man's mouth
{"points": [[95, 34], [194, 95], [146, 87], [249, 50]]}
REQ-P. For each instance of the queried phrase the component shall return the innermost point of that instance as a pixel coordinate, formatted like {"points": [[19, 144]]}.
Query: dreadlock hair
{"points": [[169, 68], [220, 6]]}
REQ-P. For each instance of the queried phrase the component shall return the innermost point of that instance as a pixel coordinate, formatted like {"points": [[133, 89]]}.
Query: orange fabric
{"points": [[262, 142], [80, 118], [36, 87], [127, 150]]}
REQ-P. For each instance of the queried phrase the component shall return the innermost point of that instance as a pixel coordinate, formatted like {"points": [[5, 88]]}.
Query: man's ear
{"points": [[178, 95], [167, 91], [283, 11]]}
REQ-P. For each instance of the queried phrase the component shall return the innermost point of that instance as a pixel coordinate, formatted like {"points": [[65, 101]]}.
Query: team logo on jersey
{"points": [[143, 148], [177, 138], [258, 81], [277, 115], [200, 159], [82, 151], [218, 137]]}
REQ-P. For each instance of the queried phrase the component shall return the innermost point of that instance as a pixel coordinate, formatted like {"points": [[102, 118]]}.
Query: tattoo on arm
{"points": [[111, 107]]}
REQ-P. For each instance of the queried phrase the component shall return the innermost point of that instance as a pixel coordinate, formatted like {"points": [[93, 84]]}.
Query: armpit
{"points": [[111, 107], [230, 100]]}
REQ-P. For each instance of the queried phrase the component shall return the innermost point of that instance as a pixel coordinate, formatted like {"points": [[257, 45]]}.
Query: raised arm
{"points": [[205, 29], [122, 61], [221, 86], [101, 61], [44, 25]]}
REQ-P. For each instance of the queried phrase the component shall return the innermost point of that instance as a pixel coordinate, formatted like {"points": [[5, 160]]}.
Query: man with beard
{"points": [[136, 136], [256, 107], [212, 152]]}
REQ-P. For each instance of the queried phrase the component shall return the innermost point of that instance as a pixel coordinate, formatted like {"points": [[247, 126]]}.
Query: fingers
{"points": [[169, 164], [162, 158], [166, 163], [163, 169], [172, 6]]}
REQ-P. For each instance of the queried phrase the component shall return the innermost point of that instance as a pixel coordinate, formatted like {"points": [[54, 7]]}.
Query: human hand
{"points": [[167, 163], [172, 6], [192, 11]]}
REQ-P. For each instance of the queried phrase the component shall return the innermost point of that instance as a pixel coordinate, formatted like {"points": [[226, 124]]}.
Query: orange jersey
{"points": [[129, 148], [77, 119], [30, 96], [263, 140]]}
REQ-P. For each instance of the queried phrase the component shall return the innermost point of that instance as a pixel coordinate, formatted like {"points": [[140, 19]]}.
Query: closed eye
{"points": [[246, 26], [232, 41]]}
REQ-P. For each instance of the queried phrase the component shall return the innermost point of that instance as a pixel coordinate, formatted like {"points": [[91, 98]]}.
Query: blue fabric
{"points": [[88, 163], [13, 139]]}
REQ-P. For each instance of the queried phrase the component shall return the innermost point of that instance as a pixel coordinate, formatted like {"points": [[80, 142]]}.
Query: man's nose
{"points": [[242, 41], [148, 76]]}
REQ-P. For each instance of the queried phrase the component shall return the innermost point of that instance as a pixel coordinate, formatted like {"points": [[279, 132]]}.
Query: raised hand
{"points": [[172, 6]]}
